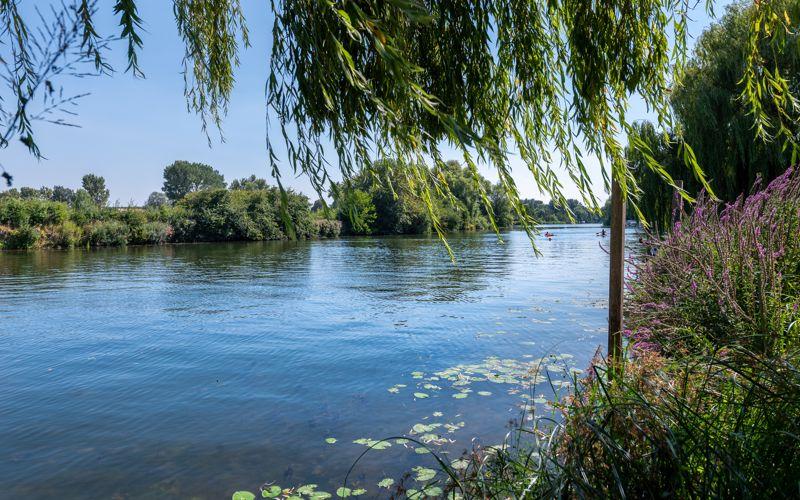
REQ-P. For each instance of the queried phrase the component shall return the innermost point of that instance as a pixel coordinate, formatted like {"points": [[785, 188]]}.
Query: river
{"points": [[192, 371]]}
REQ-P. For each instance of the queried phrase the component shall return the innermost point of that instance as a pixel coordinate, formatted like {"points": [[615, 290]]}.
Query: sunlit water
{"points": [[196, 370]]}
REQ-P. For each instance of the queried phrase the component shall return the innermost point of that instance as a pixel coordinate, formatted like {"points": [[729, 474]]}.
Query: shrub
{"points": [[106, 233], [14, 212], [20, 238], [65, 235], [326, 228], [725, 277], [155, 233]]}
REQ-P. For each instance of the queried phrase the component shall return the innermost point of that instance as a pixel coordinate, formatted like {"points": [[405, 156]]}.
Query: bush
{"points": [[20, 238], [155, 233], [14, 212], [326, 228], [65, 235], [106, 234], [725, 278]]}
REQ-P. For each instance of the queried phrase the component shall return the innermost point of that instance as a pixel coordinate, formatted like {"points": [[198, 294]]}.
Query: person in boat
{"points": [[602, 233]]}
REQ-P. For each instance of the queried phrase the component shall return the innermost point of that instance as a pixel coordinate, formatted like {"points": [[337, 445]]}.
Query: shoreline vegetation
{"points": [[196, 205]]}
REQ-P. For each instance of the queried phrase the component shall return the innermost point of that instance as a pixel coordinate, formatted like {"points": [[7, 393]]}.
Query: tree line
{"points": [[382, 200], [196, 204]]}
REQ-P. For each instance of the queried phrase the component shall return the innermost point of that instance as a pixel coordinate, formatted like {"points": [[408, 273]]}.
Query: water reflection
{"points": [[192, 370]]}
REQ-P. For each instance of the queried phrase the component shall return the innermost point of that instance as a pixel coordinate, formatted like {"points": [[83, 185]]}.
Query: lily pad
{"points": [[420, 395], [484, 393], [307, 489], [344, 492], [320, 495], [271, 492], [401, 441], [386, 483], [437, 414], [243, 495], [460, 395], [424, 474], [421, 450], [359, 491], [330, 440], [459, 464]]}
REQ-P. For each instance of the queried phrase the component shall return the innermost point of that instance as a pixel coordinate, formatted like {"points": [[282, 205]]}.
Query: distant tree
{"points": [[95, 186], [28, 193], [156, 199], [63, 194], [251, 183], [183, 177]]}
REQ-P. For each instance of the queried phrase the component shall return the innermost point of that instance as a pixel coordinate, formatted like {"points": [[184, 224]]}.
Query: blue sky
{"points": [[130, 129]]}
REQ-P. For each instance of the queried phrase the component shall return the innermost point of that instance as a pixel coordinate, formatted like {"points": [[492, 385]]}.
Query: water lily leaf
{"points": [[359, 491], [412, 493], [386, 483], [417, 374], [423, 428], [401, 441], [271, 492], [393, 390], [401, 385], [381, 445], [424, 474], [437, 414], [243, 495], [307, 489], [421, 450], [540, 400], [320, 495], [420, 395], [459, 464], [431, 387], [294, 497], [432, 491], [330, 440], [484, 393], [343, 492], [460, 395]]}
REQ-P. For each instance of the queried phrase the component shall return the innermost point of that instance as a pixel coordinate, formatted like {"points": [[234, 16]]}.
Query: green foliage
{"points": [[710, 116], [21, 238], [108, 233], [65, 235], [251, 183], [183, 177], [220, 215], [326, 228], [95, 187], [63, 194], [383, 201], [357, 211], [19, 212]]}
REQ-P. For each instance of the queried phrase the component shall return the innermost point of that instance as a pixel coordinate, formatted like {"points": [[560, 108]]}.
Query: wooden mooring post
{"points": [[616, 275]]}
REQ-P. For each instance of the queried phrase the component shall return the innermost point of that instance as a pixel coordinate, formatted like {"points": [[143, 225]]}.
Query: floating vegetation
{"points": [[386, 483], [438, 414], [484, 393], [271, 492], [371, 443], [420, 395], [330, 440], [459, 464], [421, 450], [423, 428], [423, 474]]}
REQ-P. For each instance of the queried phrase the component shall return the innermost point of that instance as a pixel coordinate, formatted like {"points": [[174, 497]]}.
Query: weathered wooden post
{"points": [[616, 275]]}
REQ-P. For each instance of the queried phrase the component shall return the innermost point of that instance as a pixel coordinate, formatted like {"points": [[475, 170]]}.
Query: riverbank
{"points": [[707, 400]]}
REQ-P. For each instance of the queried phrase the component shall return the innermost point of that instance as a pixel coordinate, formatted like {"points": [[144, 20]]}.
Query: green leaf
{"points": [[331, 440], [420, 395], [386, 483], [343, 492], [271, 492], [243, 495]]}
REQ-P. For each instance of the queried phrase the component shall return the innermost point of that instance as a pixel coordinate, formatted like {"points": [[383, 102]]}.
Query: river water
{"points": [[192, 371]]}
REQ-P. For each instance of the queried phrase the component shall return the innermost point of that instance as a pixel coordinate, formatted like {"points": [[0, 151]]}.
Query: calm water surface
{"points": [[196, 370]]}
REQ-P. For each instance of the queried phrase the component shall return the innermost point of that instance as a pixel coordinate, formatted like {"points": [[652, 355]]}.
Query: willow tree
{"points": [[352, 80]]}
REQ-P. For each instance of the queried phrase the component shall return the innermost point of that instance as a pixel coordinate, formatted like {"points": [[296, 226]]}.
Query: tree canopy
{"points": [[184, 177], [710, 116], [549, 81]]}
